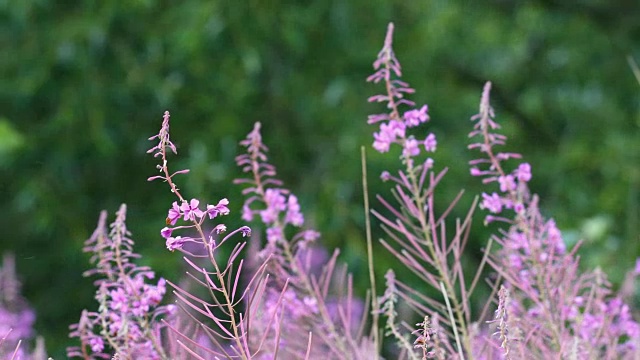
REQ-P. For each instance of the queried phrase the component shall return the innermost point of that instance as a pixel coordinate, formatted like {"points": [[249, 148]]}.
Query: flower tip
{"points": [[246, 231], [166, 232], [220, 228], [175, 243], [389, 38]]}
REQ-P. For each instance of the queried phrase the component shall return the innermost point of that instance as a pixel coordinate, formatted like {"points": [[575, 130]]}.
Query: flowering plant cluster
{"points": [[272, 291], [127, 321], [16, 316]]}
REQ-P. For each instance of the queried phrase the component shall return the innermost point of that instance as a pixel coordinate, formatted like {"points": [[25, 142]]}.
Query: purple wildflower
{"points": [[128, 317], [310, 235], [16, 316], [492, 203], [416, 117], [302, 306], [523, 172], [218, 209], [393, 125], [246, 231], [547, 292], [166, 232], [174, 214], [174, 243], [220, 228], [247, 213], [411, 148], [507, 183], [294, 216], [430, 143], [160, 150], [163, 138], [381, 142], [191, 211], [274, 234]]}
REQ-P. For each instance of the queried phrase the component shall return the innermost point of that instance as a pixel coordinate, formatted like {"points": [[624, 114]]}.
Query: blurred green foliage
{"points": [[85, 83]]}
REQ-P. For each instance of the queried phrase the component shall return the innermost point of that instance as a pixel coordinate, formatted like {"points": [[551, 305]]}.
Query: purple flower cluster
{"points": [[288, 298], [16, 317], [190, 211], [127, 322], [547, 308], [299, 294], [393, 126], [513, 186], [561, 310], [278, 207]]}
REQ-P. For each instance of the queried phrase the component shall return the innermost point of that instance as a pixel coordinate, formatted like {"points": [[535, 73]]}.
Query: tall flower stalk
{"points": [[16, 317], [559, 310], [418, 234], [332, 320], [127, 323], [229, 335]]}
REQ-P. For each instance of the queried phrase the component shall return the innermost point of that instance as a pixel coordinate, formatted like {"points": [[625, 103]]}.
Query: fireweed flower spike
{"points": [[418, 235], [308, 309], [16, 316], [393, 126], [233, 304], [189, 211], [160, 150], [127, 322], [562, 313]]}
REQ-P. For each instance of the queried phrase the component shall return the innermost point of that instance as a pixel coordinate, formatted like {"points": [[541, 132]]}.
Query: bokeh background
{"points": [[83, 84]]}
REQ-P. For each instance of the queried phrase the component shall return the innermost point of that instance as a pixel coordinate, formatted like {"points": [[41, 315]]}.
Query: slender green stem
{"points": [[375, 307], [453, 321]]}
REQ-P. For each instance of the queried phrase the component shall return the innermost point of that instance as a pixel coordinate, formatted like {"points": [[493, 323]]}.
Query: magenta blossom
{"points": [[174, 214], [411, 148], [523, 173], [294, 216], [430, 143], [492, 203], [166, 232], [274, 234], [220, 228], [276, 203], [415, 117], [246, 231], [247, 213], [175, 242], [219, 209], [382, 142], [191, 210], [507, 183]]}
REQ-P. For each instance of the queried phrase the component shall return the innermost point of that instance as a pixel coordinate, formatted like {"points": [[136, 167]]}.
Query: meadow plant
{"points": [[552, 307], [16, 317], [546, 307], [127, 322], [321, 316], [281, 295], [418, 234]]}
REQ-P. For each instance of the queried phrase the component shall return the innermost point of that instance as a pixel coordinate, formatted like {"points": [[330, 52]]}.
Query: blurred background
{"points": [[83, 84]]}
